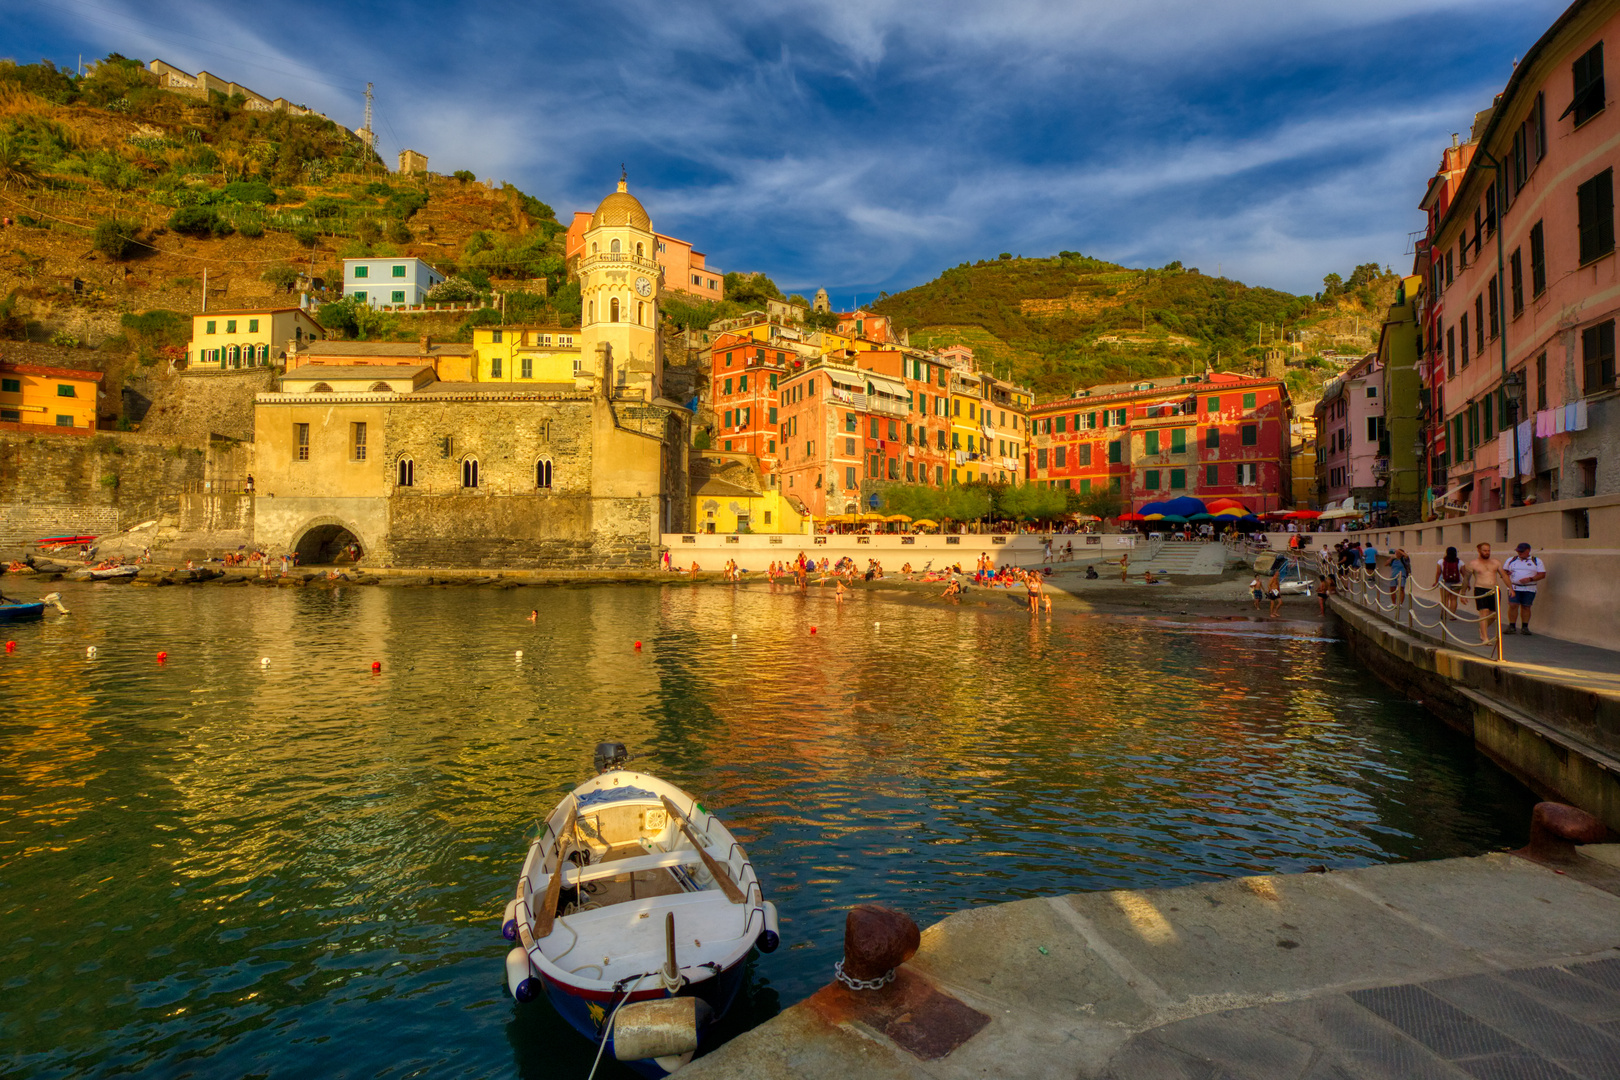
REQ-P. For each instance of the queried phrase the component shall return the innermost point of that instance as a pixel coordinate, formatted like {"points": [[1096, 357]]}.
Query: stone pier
{"points": [[1496, 966]]}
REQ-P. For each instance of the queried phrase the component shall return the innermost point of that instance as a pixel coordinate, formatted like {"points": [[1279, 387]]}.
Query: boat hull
{"points": [[587, 1011], [10, 613]]}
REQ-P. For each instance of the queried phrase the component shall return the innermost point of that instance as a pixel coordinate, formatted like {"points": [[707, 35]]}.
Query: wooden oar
{"points": [[721, 874], [548, 909]]}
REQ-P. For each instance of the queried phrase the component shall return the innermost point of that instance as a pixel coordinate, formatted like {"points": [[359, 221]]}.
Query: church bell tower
{"points": [[620, 282]]}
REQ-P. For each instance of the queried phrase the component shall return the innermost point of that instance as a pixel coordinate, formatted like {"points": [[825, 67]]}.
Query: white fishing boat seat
{"points": [[627, 939], [657, 860]]}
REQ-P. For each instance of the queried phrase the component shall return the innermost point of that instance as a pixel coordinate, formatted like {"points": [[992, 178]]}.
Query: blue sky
{"points": [[869, 144]]}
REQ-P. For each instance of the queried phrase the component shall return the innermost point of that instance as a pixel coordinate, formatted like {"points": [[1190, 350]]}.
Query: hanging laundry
{"points": [[1579, 421], [1526, 444], [1558, 420], [1504, 450], [1544, 425]]}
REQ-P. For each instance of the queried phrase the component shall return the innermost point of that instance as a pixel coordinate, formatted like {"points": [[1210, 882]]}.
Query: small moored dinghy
{"points": [[635, 911]]}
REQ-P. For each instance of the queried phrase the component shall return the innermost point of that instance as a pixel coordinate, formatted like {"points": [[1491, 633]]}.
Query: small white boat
{"points": [[635, 911], [111, 573]]}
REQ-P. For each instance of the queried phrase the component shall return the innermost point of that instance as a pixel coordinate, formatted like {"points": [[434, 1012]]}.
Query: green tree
{"points": [[116, 239], [282, 277], [199, 221]]}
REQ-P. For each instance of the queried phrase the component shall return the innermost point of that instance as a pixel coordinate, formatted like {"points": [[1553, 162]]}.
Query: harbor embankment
{"points": [[1551, 717], [1495, 966]]}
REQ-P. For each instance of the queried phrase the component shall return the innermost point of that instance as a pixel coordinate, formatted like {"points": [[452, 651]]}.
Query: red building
{"points": [[915, 444], [1218, 435], [852, 427], [746, 374]]}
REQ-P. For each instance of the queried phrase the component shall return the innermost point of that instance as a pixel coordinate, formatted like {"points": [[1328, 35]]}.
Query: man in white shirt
{"points": [[1525, 571]]}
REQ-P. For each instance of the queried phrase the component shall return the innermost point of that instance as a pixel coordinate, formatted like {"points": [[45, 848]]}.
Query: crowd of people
{"points": [[1480, 581]]}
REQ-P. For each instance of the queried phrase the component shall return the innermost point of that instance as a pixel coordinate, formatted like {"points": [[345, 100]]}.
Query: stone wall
{"points": [[196, 406], [611, 467], [56, 484]]}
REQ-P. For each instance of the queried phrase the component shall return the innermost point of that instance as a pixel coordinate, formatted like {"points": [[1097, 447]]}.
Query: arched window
{"points": [[591, 315], [407, 472], [639, 250], [264, 354], [469, 472], [236, 355], [321, 388], [380, 387], [613, 310], [595, 248], [542, 473], [641, 313], [614, 248]]}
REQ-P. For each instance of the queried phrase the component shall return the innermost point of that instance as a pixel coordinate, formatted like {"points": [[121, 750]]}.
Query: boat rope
{"points": [[862, 984], [607, 1029]]}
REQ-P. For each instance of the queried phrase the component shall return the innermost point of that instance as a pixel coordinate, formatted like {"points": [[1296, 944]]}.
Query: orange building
{"points": [[746, 374], [33, 396], [685, 269]]}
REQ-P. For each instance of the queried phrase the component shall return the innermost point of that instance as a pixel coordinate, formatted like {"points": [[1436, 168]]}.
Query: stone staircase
{"points": [[1183, 559]]}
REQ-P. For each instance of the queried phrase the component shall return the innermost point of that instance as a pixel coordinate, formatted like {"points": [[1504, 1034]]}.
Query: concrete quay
{"points": [[1549, 713], [1488, 967]]}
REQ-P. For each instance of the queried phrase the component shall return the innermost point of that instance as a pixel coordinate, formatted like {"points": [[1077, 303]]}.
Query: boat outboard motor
{"points": [[55, 600], [610, 755]]}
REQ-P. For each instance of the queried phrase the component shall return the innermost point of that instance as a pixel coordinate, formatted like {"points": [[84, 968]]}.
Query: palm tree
{"points": [[15, 166]]}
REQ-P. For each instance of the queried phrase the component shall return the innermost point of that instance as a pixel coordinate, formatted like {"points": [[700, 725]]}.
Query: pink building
{"points": [[685, 269], [1524, 284]]}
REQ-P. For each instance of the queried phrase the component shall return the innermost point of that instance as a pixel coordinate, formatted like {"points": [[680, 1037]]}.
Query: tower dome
{"points": [[621, 208]]}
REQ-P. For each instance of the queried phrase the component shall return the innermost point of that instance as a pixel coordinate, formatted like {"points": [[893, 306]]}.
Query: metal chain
{"points": [[862, 984]]}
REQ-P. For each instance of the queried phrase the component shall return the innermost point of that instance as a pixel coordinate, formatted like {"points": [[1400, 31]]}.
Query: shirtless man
{"points": [[1124, 566], [1484, 573]]}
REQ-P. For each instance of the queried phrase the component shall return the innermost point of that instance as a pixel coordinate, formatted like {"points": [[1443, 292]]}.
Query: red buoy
{"points": [[11, 646], [638, 644], [812, 629], [162, 657], [376, 666]]}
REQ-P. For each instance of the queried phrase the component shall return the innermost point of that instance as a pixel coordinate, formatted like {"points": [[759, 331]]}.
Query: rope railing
{"points": [[1368, 587]]}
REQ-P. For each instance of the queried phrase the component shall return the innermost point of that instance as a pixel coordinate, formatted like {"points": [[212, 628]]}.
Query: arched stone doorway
{"points": [[328, 545]]}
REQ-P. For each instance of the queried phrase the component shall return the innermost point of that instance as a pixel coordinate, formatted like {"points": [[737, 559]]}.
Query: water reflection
{"points": [[212, 858]]}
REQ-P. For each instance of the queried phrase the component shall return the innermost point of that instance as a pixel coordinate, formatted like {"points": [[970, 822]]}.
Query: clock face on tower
{"points": [[643, 286]]}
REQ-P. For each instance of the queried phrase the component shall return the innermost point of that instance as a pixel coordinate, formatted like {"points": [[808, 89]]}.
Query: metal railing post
{"points": [[1498, 591]]}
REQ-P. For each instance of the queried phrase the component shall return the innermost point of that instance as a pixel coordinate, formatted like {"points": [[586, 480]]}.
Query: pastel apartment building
{"points": [[249, 337], [1523, 290], [388, 282], [685, 269], [1221, 435]]}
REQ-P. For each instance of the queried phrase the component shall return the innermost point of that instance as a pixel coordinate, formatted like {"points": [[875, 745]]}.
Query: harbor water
{"points": [[218, 866]]}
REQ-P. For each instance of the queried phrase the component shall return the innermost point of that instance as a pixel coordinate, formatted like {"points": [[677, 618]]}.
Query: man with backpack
{"points": [[1526, 571]]}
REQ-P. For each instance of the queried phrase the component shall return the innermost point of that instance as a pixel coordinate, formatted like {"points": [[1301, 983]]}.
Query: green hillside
{"points": [[1058, 323]]}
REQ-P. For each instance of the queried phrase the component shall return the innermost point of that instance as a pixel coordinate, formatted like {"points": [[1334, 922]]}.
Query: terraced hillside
{"points": [[1059, 323]]}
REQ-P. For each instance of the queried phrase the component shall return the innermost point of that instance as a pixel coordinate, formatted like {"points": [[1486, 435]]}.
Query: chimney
{"points": [[427, 343]]}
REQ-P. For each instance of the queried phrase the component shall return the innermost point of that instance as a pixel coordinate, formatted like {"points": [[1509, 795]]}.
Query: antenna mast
{"points": [[366, 133]]}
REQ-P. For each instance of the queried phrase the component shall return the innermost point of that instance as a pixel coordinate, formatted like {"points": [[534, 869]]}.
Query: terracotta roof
{"points": [[350, 372], [254, 311], [496, 388], [386, 348], [714, 486], [50, 372]]}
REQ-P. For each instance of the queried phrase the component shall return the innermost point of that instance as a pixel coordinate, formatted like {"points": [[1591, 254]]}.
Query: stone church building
{"points": [[555, 451]]}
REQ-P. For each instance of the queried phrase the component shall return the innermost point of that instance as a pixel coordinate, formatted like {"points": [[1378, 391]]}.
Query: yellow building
{"points": [[32, 395], [967, 436], [728, 496], [250, 338], [529, 354]]}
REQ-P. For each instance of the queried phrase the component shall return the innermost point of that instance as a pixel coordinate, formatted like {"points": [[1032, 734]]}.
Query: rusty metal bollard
{"points": [[1555, 829], [876, 941]]}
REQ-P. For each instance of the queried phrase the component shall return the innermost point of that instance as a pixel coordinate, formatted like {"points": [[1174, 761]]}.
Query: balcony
{"points": [[622, 259]]}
